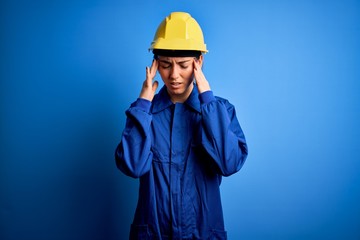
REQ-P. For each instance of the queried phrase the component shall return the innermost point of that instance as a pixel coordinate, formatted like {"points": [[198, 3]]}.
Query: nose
{"points": [[174, 72]]}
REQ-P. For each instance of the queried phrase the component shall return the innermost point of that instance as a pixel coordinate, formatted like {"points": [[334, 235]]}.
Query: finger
{"points": [[197, 70], [147, 71], [154, 67], [155, 86], [148, 74]]}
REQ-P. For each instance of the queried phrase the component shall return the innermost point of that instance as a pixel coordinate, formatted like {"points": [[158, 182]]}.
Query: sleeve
{"points": [[222, 136], [133, 156]]}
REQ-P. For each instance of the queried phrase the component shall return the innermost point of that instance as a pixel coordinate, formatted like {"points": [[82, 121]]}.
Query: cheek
{"points": [[163, 74], [188, 74]]}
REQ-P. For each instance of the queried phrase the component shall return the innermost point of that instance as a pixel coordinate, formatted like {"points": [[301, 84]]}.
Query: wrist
{"points": [[203, 87], [206, 97], [143, 104]]}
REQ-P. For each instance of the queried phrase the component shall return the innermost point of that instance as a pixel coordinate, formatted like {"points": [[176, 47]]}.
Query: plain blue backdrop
{"points": [[69, 70]]}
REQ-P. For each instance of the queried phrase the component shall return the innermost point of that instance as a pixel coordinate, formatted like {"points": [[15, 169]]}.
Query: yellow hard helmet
{"points": [[179, 31]]}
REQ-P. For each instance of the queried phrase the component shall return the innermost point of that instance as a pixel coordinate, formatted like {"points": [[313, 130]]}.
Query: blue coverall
{"points": [[179, 152]]}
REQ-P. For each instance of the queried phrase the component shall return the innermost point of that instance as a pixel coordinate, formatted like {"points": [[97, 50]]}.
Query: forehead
{"points": [[174, 59]]}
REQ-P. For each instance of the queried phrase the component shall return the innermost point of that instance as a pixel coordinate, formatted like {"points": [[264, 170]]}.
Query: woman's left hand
{"points": [[201, 82]]}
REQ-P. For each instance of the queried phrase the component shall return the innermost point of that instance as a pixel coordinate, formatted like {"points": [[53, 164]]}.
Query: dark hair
{"points": [[176, 53]]}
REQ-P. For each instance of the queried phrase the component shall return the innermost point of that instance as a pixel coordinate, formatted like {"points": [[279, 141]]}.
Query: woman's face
{"points": [[177, 74]]}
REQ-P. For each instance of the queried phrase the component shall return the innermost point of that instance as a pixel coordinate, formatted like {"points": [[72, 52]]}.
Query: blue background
{"points": [[69, 70]]}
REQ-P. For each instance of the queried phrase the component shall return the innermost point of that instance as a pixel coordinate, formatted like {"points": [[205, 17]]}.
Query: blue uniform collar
{"points": [[162, 100]]}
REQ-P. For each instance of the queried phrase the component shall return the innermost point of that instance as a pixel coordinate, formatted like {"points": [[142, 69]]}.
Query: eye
{"points": [[184, 66], [165, 66]]}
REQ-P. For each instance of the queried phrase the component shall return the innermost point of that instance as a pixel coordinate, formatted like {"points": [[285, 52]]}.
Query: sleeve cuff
{"points": [[206, 97], [143, 104]]}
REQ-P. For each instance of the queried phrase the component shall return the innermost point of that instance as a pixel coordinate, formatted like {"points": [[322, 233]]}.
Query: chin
{"points": [[177, 92]]}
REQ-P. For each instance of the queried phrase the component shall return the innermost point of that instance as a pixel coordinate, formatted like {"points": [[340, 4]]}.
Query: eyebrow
{"points": [[168, 62]]}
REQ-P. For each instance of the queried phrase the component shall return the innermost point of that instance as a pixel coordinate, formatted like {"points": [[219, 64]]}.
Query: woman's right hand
{"points": [[149, 87]]}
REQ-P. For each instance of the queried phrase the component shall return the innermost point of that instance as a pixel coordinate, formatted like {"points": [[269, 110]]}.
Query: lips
{"points": [[175, 84]]}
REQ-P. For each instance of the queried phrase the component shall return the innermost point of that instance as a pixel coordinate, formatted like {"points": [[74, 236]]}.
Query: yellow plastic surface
{"points": [[179, 31]]}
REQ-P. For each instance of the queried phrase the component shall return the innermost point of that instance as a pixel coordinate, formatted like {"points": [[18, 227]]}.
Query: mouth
{"points": [[175, 84]]}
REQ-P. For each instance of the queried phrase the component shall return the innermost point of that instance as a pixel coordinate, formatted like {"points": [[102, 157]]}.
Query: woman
{"points": [[180, 141]]}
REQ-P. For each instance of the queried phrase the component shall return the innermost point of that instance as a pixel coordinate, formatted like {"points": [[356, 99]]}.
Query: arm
{"points": [[133, 155], [222, 136]]}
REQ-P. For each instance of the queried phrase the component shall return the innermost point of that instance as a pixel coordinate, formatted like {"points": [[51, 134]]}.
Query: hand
{"points": [[149, 87], [201, 82]]}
